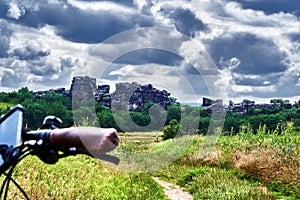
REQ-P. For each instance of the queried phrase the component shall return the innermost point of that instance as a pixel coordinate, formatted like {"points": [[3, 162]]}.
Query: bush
{"points": [[296, 124], [171, 129]]}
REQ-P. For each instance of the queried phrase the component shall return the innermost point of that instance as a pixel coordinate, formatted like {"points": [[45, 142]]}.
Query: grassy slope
{"points": [[82, 177], [235, 168], [4, 105], [214, 183], [241, 167]]}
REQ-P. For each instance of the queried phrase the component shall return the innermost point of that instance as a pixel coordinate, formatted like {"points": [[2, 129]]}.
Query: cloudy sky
{"points": [[193, 48]]}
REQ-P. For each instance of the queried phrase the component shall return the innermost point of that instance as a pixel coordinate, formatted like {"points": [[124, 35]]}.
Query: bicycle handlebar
{"points": [[86, 138], [66, 138], [49, 144], [90, 140]]}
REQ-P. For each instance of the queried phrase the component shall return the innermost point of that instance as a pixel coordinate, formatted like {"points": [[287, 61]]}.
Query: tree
{"points": [[189, 125], [106, 119], [204, 113], [100, 107], [232, 124], [147, 107], [57, 105], [24, 94], [203, 125], [270, 120], [296, 124], [140, 119], [49, 104], [173, 112], [34, 115], [85, 116], [170, 130]]}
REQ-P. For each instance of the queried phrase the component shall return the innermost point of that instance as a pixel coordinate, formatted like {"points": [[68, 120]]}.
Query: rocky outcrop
{"points": [[132, 96], [61, 91], [83, 90], [102, 95], [127, 96], [213, 106]]}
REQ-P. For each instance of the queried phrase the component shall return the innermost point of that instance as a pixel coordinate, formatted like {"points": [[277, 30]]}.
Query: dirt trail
{"points": [[174, 192]]}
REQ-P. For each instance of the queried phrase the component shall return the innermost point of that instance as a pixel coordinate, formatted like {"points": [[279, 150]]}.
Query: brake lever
{"points": [[109, 158], [74, 151]]}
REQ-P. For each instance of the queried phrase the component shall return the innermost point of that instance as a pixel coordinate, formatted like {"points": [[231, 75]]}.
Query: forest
{"points": [[51, 103], [240, 165]]}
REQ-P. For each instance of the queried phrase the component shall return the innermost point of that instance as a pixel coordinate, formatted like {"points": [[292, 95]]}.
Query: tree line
{"points": [[175, 119]]}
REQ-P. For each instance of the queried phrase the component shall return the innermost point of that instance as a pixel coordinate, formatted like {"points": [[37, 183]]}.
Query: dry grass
{"points": [[265, 164], [268, 165], [211, 158]]}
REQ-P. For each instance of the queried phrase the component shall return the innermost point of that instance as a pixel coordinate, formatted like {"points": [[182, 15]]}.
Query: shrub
{"points": [[171, 129]]}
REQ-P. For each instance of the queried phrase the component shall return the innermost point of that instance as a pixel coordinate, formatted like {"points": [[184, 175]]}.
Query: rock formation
{"points": [[127, 96], [83, 90], [132, 96]]}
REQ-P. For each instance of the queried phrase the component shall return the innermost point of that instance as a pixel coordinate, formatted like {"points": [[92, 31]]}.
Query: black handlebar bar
{"points": [[49, 144], [36, 135]]}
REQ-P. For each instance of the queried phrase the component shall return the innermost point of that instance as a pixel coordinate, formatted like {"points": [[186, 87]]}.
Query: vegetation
{"points": [[148, 120], [82, 177], [256, 156], [244, 166]]}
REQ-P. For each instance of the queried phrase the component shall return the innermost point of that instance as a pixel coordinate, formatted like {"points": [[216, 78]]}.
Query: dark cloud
{"points": [[91, 27], [3, 10], [185, 21], [14, 73], [295, 37], [147, 56], [42, 68], [266, 80], [68, 63], [84, 26], [249, 60], [190, 69], [47, 74], [256, 55], [111, 68], [11, 80], [139, 58], [29, 17], [5, 34], [271, 7], [36, 73], [129, 3], [31, 50], [197, 84]]}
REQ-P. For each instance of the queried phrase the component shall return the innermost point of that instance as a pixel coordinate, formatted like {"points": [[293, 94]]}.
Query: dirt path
{"points": [[174, 192]]}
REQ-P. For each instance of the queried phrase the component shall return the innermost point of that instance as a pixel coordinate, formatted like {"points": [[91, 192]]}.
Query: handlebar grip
{"points": [[65, 138], [95, 140]]}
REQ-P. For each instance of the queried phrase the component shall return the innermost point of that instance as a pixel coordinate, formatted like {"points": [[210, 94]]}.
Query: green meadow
{"points": [[243, 166]]}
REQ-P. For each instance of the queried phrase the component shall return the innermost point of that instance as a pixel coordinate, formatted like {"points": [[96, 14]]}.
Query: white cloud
{"points": [[162, 77], [38, 70], [15, 11], [224, 21], [101, 6]]}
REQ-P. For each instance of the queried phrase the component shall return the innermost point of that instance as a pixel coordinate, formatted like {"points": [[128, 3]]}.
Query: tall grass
{"points": [[270, 159], [205, 182], [244, 166], [82, 177]]}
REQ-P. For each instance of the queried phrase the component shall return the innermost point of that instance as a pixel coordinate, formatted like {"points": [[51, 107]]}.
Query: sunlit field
{"points": [[245, 166]]}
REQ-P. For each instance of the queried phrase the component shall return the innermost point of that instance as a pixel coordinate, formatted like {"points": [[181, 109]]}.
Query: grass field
{"points": [[4, 106], [245, 166], [82, 177]]}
